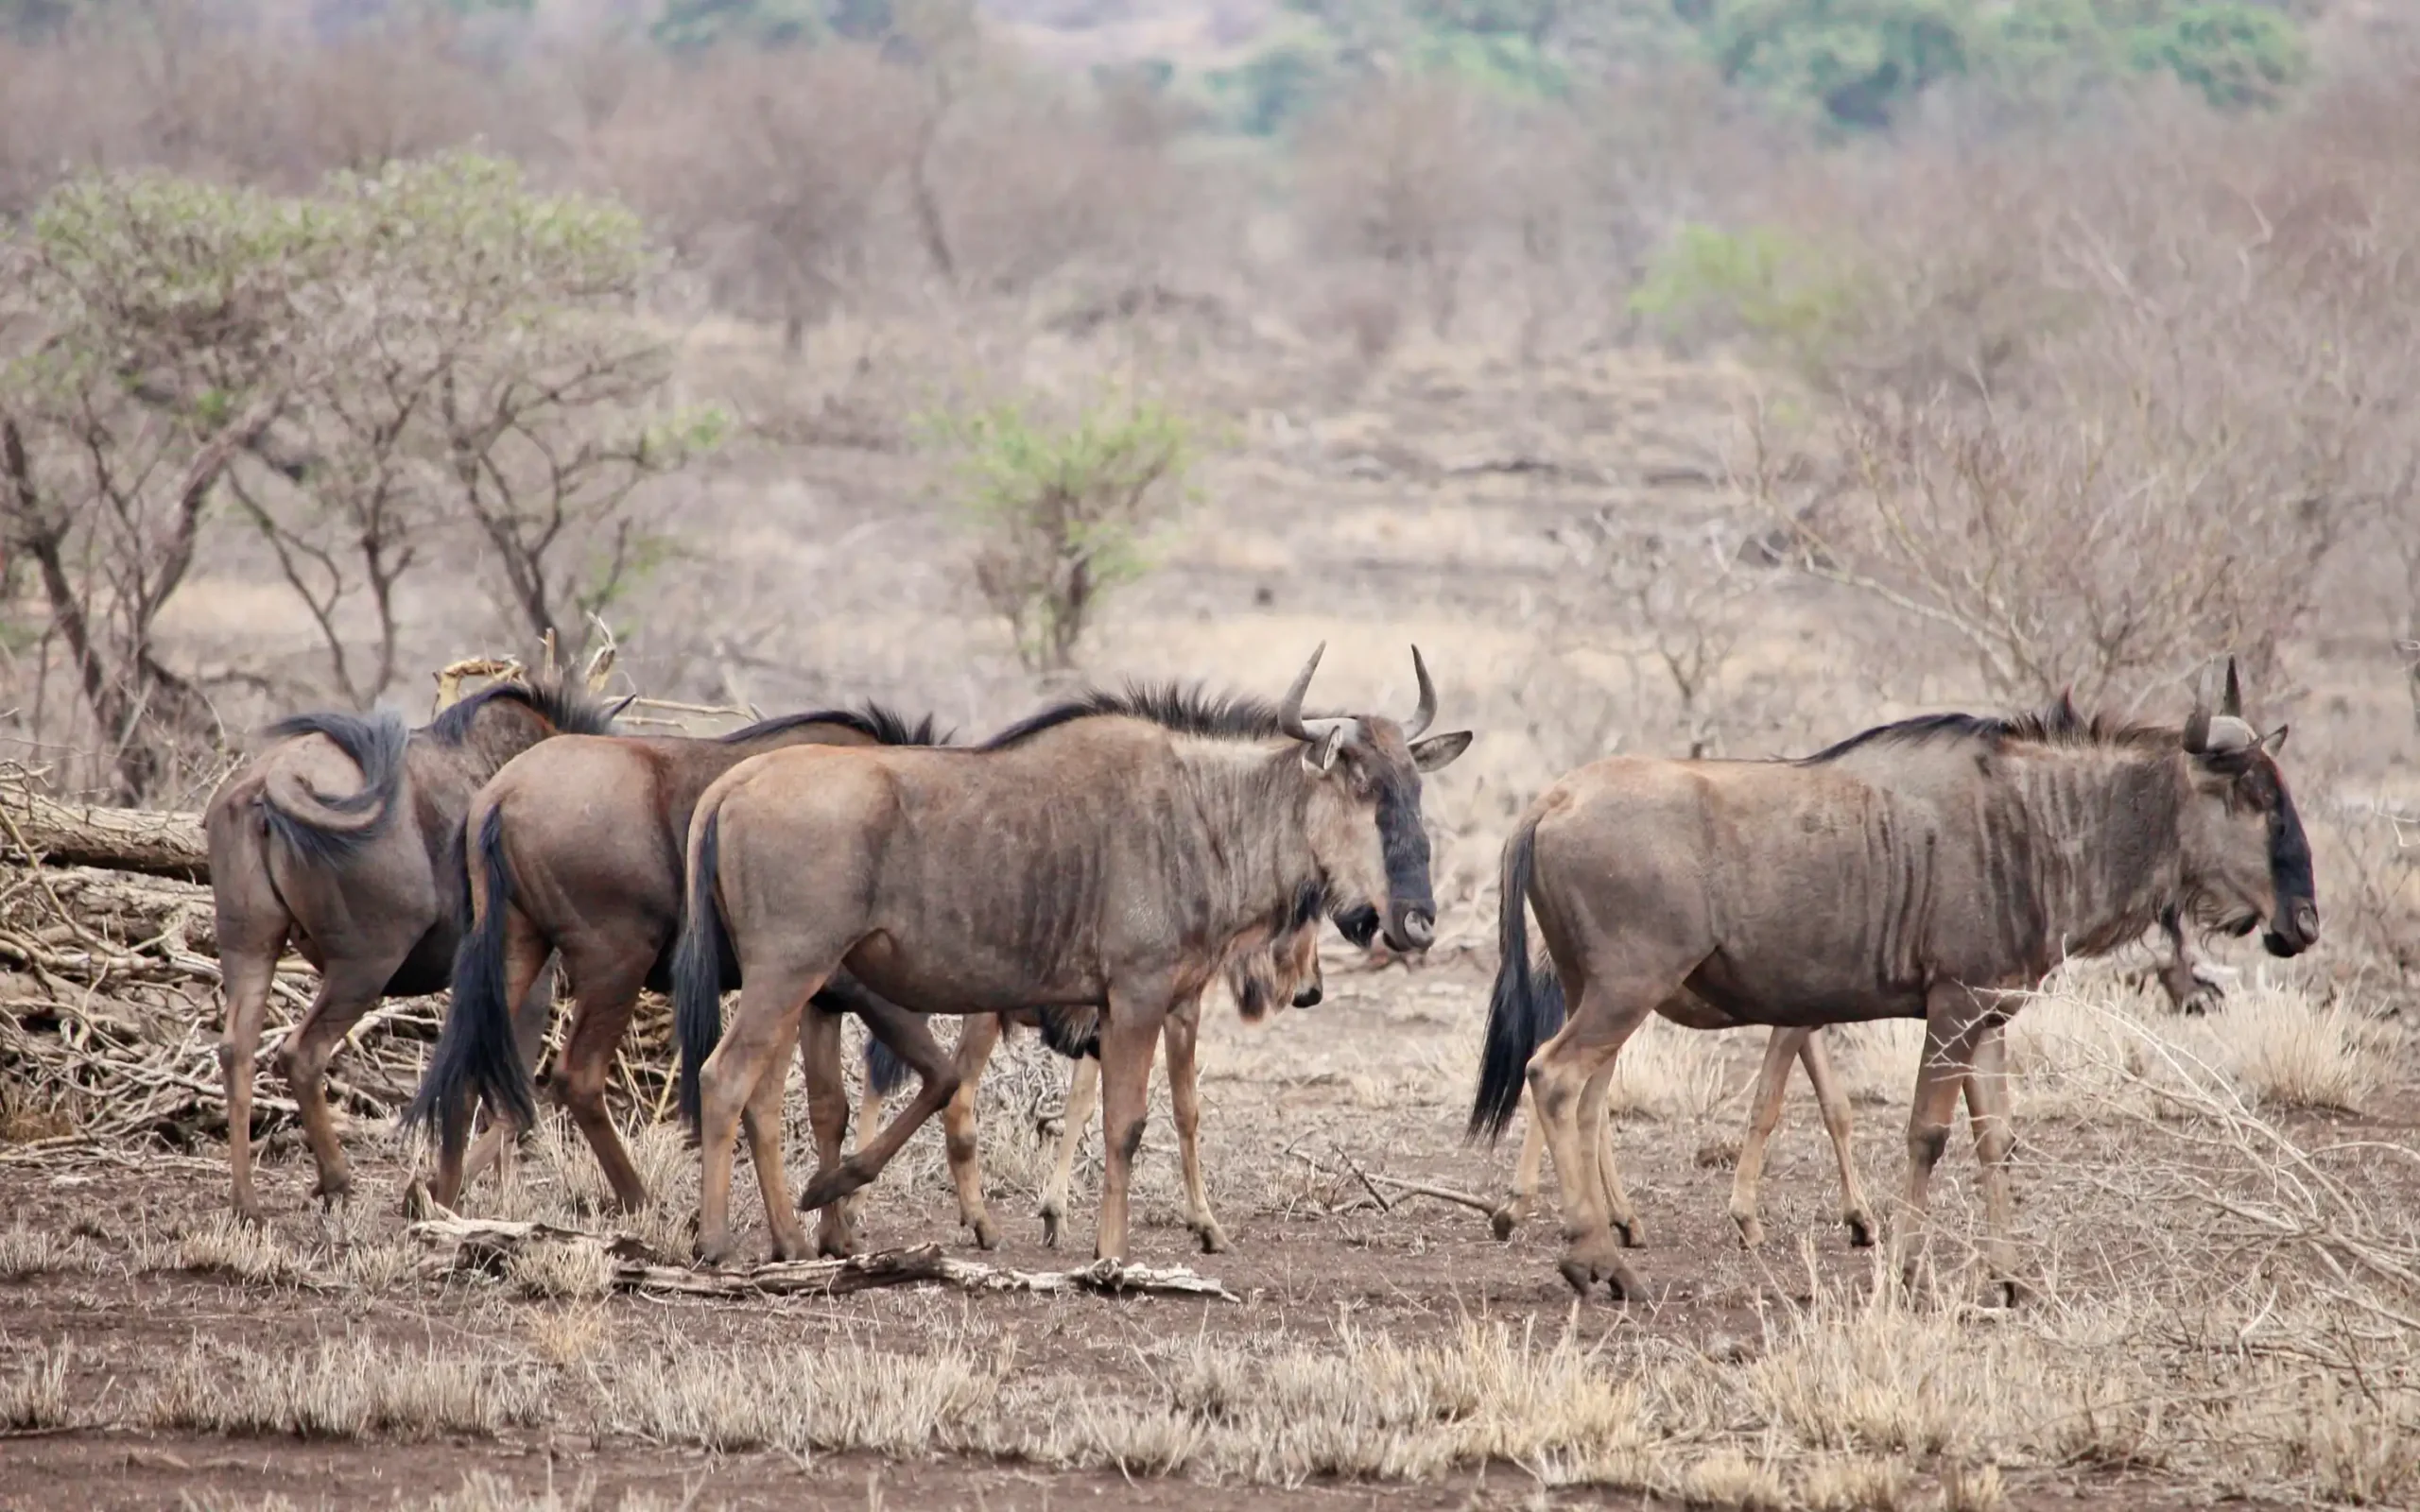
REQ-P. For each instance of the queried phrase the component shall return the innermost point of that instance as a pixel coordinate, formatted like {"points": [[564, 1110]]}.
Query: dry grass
{"points": [[344, 1389], [40, 1251], [225, 1247], [845, 1398], [33, 1391], [1666, 1072]]}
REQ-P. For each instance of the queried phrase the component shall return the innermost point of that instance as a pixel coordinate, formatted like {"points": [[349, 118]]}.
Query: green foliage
{"points": [[1275, 87], [1062, 510], [1782, 293], [694, 25], [1848, 65], [2239, 56]]}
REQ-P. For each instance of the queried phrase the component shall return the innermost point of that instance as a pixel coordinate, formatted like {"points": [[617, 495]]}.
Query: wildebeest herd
{"points": [[1090, 871]]}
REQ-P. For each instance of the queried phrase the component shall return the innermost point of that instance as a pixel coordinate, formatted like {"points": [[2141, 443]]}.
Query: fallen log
{"points": [[34, 827], [485, 1244]]}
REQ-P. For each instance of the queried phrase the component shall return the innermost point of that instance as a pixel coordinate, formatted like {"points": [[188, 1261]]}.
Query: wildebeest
{"points": [[1276, 963], [1806, 893], [1107, 851], [344, 838], [2179, 976], [575, 846]]}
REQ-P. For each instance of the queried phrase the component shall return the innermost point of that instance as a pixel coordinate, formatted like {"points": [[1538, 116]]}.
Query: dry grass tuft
{"points": [[2283, 1049], [342, 1389], [33, 1393], [571, 1335], [1852, 1484], [225, 1247], [847, 1398], [1666, 1072], [38, 1251], [561, 1270]]}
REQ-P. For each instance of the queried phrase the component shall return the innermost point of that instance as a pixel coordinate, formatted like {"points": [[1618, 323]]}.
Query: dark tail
{"points": [[697, 969], [477, 1053], [1526, 1005], [326, 830], [885, 1071]]}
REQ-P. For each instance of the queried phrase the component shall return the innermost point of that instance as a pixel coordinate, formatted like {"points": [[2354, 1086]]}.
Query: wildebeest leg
{"points": [[1084, 1096], [1773, 1087], [1987, 1105], [977, 1035], [605, 994], [1128, 1034], [1184, 1101], [1597, 1136], [1604, 1014], [1525, 1178], [1855, 1211], [752, 1048], [2177, 977], [827, 1116], [1952, 1020], [908, 1036], [349, 988], [251, 966]]}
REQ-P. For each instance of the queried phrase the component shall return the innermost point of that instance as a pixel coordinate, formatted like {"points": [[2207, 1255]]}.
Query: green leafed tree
{"points": [[432, 359], [1062, 511]]}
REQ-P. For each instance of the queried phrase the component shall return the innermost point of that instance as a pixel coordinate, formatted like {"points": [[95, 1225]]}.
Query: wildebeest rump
{"points": [[344, 838], [1105, 852], [575, 846], [1801, 894]]}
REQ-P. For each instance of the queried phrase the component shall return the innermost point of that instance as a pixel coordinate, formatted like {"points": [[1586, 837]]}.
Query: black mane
{"points": [[1187, 710], [2057, 723], [570, 710], [880, 725]]}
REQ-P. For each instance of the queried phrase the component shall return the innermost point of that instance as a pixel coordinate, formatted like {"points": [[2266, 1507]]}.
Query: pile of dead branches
{"points": [[109, 1003]]}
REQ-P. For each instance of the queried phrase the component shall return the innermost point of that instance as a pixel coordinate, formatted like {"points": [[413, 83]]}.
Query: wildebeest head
{"points": [[2247, 861], [1364, 817]]}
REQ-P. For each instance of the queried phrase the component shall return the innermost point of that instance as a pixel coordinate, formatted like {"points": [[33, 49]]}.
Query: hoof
{"points": [[2008, 1292], [1050, 1227], [2205, 999], [249, 1212], [1862, 1230], [1591, 1262], [1214, 1239], [1752, 1232], [1633, 1233], [836, 1241], [1504, 1220], [987, 1233], [418, 1204], [334, 1187], [717, 1254]]}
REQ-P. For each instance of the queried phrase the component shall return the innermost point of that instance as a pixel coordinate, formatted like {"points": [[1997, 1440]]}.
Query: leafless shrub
{"points": [[1395, 176], [767, 170]]}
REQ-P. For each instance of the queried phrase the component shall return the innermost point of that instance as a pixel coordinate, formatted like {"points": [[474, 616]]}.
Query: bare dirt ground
{"points": [[1389, 1353]]}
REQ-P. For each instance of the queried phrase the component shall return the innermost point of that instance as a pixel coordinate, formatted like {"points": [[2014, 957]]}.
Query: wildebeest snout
{"points": [[2295, 931], [1412, 928]]}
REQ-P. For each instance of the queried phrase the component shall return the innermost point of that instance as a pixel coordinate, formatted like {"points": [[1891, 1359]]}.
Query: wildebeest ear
{"points": [[1440, 750], [2274, 741], [1321, 755]]}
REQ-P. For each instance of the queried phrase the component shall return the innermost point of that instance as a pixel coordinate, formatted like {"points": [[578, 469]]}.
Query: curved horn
{"points": [[1290, 713], [1426, 714], [2197, 724], [2232, 702]]}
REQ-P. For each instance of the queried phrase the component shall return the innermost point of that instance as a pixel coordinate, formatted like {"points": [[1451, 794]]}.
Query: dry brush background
{"points": [[1659, 427]]}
